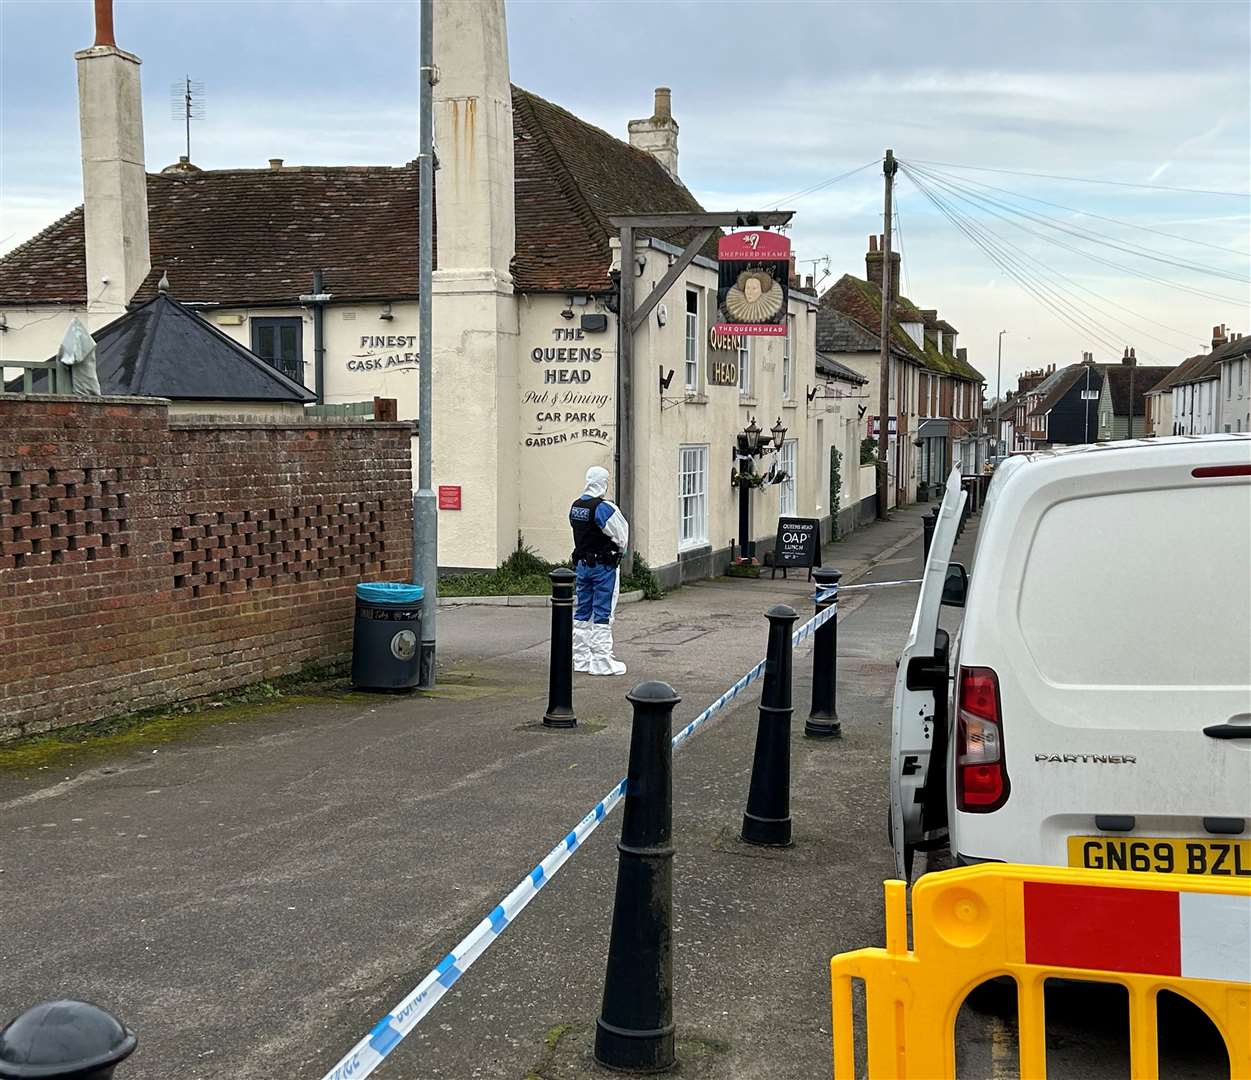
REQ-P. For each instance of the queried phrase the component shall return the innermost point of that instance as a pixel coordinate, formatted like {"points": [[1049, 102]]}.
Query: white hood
{"points": [[596, 482]]}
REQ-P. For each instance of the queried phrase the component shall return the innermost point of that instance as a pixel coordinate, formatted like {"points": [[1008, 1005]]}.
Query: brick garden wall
{"points": [[145, 560]]}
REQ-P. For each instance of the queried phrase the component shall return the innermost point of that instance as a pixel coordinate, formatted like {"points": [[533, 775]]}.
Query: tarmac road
{"points": [[252, 897]]}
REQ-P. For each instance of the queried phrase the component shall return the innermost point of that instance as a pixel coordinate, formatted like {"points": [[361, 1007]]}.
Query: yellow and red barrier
{"points": [[1148, 933]]}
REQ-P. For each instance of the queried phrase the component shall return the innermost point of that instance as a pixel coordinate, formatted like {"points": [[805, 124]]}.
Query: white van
{"points": [[1100, 712]]}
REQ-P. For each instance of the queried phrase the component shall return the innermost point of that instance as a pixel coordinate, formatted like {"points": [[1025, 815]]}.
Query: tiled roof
{"points": [[235, 236], [1209, 367], [1144, 378], [827, 365], [1233, 350], [1060, 383], [837, 332], [577, 177], [861, 301]]}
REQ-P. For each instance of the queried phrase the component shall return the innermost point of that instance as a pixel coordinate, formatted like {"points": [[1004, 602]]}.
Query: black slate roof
{"points": [[162, 349]]}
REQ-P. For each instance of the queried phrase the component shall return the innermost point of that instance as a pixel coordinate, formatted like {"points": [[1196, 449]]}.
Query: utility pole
{"points": [[425, 505], [999, 396], [1133, 361], [889, 168]]}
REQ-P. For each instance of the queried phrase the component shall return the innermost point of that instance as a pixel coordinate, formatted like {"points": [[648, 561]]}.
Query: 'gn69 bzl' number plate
{"points": [[1218, 858]]}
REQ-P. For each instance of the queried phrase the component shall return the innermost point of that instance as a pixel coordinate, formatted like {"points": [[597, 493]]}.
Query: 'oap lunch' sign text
{"points": [[798, 545]]}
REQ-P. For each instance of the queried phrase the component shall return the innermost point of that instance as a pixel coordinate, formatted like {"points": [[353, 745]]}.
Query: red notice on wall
{"points": [[449, 496]]}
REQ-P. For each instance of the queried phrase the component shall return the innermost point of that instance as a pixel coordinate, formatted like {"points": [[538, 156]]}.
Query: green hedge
{"points": [[525, 573]]}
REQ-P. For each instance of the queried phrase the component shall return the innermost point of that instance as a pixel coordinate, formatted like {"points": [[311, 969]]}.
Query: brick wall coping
{"points": [[76, 399], [334, 423], [209, 421]]}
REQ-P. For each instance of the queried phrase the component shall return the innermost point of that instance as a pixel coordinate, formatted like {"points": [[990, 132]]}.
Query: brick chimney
{"points": [[115, 183], [1219, 336], [1129, 359], [658, 134], [873, 266]]}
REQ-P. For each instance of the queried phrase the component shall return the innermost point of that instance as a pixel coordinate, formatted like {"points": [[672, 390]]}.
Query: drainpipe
{"points": [[319, 343]]}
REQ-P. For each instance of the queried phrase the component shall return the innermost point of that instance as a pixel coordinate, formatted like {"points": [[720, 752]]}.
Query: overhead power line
{"points": [[1136, 250], [1102, 217], [1184, 335], [803, 193], [985, 204], [1021, 265], [1088, 180], [1059, 309]]}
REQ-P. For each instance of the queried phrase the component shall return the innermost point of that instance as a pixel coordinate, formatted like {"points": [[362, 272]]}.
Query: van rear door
{"points": [[1115, 623], [920, 686]]}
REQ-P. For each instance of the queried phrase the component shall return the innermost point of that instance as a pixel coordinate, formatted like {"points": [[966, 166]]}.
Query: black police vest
{"points": [[590, 544]]}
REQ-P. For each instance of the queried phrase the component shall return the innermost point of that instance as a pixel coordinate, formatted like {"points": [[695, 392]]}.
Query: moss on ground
{"points": [[116, 735]]}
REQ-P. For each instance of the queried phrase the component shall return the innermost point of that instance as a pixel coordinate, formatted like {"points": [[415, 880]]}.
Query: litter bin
{"points": [[386, 638]]}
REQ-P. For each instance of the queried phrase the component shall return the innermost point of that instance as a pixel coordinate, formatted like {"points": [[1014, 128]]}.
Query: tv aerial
{"points": [[186, 103]]}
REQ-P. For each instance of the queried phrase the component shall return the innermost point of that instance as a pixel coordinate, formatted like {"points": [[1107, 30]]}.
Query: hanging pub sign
{"points": [[753, 283]]}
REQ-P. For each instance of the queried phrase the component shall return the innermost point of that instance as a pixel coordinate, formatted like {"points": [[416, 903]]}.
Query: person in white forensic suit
{"points": [[600, 536]]}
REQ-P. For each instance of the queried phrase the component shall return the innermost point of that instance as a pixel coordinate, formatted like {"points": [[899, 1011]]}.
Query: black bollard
{"points": [[927, 536], [768, 817], [635, 1028], [822, 722], [560, 675], [64, 1040]]}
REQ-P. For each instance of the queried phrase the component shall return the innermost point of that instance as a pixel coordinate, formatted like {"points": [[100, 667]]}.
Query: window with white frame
{"points": [[744, 366], [692, 496], [691, 368], [786, 489], [788, 360]]}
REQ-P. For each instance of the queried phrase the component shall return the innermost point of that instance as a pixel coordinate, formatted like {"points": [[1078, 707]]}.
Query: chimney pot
{"points": [[104, 23], [809, 282], [664, 103], [275, 163], [872, 244]]}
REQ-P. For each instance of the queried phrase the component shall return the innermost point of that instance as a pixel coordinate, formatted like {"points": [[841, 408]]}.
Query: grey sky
{"points": [[772, 98]]}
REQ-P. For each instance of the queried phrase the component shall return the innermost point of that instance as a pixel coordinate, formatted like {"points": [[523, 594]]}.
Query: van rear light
{"points": [[981, 775], [1221, 470]]}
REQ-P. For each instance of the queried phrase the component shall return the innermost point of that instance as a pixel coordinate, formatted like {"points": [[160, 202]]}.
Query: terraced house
{"points": [[935, 393]]}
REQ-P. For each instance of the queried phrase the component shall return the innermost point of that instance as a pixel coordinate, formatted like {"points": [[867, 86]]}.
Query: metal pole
{"points": [[1131, 398], [768, 817], [560, 675], [927, 534], [889, 169], [623, 473], [999, 369], [425, 504], [745, 546], [64, 1040], [635, 1029], [1086, 402], [822, 722]]}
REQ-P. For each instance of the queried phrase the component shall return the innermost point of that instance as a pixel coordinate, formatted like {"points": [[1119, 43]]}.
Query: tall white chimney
{"points": [[115, 186], [658, 134], [473, 122]]}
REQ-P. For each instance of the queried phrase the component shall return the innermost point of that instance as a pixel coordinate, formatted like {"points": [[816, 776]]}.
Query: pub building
{"points": [[314, 269]]}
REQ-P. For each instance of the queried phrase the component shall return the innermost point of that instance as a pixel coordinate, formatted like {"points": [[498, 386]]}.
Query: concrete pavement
{"points": [[253, 896]]}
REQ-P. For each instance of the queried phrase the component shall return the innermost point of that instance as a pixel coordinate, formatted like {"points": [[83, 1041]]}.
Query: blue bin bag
{"points": [[390, 593]]}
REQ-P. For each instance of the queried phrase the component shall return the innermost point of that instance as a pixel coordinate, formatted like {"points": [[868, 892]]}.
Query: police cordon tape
{"points": [[385, 1035]]}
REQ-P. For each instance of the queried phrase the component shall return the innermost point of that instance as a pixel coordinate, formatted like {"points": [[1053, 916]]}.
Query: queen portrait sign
{"points": [[753, 283]]}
